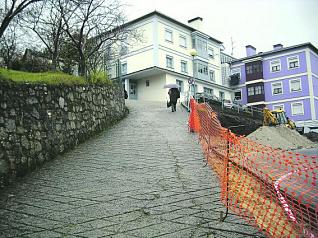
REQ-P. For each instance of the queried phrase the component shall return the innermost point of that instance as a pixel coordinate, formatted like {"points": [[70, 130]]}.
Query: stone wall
{"points": [[38, 122]]}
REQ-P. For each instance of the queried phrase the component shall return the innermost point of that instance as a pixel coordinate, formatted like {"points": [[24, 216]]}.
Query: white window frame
{"points": [[210, 89], [181, 85], [292, 108], [169, 32], [289, 59], [256, 91], [181, 38], [281, 106], [186, 66], [212, 50], [239, 90], [273, 63], [169, 57], [281, 84], [290, 83], [213, 78], [122, 67], [249, 90]]}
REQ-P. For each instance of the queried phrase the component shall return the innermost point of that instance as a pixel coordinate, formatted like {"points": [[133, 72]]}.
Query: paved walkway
{"points": [[143, 177]]}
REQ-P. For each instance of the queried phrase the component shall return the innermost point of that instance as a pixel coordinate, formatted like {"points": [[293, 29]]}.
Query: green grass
{"points": [[52, 78]]}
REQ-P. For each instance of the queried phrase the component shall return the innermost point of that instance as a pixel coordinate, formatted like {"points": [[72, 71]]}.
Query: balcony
{"points": [[234, 79]]}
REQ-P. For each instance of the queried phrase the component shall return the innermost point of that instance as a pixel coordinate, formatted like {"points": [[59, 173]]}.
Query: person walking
{"points": [[174, 94]]}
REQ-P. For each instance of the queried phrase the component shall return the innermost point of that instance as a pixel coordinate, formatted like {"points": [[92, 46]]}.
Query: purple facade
{"points": [[286, 91], [314, 63], [316, 107], [288, 109], [286, 84], [284, 67], [315, 85]]}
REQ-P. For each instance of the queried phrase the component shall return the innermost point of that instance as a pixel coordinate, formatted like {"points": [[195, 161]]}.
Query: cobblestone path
{"points": [[144, 177]]}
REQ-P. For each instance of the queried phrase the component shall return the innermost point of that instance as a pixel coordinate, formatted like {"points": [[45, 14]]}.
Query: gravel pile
{"points": [[281, 137]]}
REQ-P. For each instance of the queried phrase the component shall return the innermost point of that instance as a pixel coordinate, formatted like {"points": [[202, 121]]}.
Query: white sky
{"points": [[261, 23]]}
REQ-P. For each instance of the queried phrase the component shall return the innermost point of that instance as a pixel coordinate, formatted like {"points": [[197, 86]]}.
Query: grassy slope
{"points": [[45, 77]]}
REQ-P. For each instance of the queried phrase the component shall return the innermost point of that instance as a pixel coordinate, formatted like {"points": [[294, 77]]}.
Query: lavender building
{"points": [[285, 77]]}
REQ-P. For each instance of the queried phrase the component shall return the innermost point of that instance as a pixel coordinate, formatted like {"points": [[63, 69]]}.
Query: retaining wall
{"points": [[38, 122]]}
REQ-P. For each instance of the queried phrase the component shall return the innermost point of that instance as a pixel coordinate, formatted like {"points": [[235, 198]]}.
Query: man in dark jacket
{"points": [[174, 94]]}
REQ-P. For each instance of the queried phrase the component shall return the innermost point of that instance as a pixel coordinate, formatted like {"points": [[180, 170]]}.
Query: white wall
{"points": [[155, 91]]}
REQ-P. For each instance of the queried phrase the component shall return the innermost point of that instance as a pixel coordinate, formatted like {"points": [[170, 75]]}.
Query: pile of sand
{"points": [[280, 137]]}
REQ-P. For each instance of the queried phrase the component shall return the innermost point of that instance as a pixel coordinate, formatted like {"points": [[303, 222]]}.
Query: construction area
{"points": [[262, 176]]}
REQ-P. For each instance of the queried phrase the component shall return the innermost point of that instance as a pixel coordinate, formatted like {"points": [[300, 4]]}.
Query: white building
{"points": [[164, 57]]}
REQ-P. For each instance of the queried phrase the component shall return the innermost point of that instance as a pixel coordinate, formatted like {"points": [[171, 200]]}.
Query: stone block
{"points": [[10, 125], [4, 166]]}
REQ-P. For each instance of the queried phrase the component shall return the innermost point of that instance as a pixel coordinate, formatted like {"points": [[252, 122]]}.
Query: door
{"points": [[133, 91]]}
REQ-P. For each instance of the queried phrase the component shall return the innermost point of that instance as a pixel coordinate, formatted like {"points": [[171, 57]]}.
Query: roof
{"points": [[272, 52], [169, 19]]}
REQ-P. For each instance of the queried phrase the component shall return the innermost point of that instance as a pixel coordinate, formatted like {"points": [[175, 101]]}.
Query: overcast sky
{"points": [[261, 23]]}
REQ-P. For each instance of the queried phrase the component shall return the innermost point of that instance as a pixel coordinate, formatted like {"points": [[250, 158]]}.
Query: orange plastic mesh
{"points": [[273, 189]]}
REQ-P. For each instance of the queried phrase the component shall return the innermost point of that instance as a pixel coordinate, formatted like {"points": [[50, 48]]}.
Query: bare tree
{"points": [[9, 45], [12, 9], [47, 23], [92, 24]]}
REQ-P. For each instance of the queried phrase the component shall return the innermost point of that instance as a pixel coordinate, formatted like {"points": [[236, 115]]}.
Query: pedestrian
{"points": [[174, 94]]}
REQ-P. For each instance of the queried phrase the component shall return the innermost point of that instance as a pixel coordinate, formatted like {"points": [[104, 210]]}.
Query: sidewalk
{"points": [[144, 177]]}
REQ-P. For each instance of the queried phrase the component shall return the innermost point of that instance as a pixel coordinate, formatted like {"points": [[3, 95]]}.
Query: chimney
{"points": [[250, 50], [277, 46], [196, 23]]}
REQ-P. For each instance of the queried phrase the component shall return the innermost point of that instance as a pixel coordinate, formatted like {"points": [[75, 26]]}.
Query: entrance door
{"points": [[132, 90]]}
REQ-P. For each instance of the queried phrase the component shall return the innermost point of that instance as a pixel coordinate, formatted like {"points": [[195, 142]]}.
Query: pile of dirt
{"points": [[281, 137]]}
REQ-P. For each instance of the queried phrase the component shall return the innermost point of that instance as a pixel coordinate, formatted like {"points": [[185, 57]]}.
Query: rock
{"points": [[10, 125], [37, 146], [32, 100], [4, 167], [3, 105], [61, 102], [25, 142]]}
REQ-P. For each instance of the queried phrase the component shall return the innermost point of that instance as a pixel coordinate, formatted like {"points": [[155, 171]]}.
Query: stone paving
{"points": [[144, 177]]}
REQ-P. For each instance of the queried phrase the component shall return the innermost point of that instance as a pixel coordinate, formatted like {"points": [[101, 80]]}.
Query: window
{"points": [[202, 69], [208, 91], [180, 83], [250, 91], [277, 88], [169, 62], [124, 68], [147, 83], [297, 108], [293, 62], [212, 75], [221, 95], [249, 69], [183, 41], [258, 90], [168, 35], [202, 45], [238, 95], [278, 107], [184, 66], [295, 85], [211, 52], [275, 65]]}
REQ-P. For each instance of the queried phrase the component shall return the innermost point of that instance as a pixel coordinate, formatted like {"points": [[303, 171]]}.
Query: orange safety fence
{"points": [[273, 189]]}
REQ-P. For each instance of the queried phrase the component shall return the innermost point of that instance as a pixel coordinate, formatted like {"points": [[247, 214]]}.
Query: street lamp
{"points": [[193, 53]]}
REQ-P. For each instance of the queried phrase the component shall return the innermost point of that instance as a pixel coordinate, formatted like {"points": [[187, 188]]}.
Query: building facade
{"points": [[285, 77], [163, 57]]}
